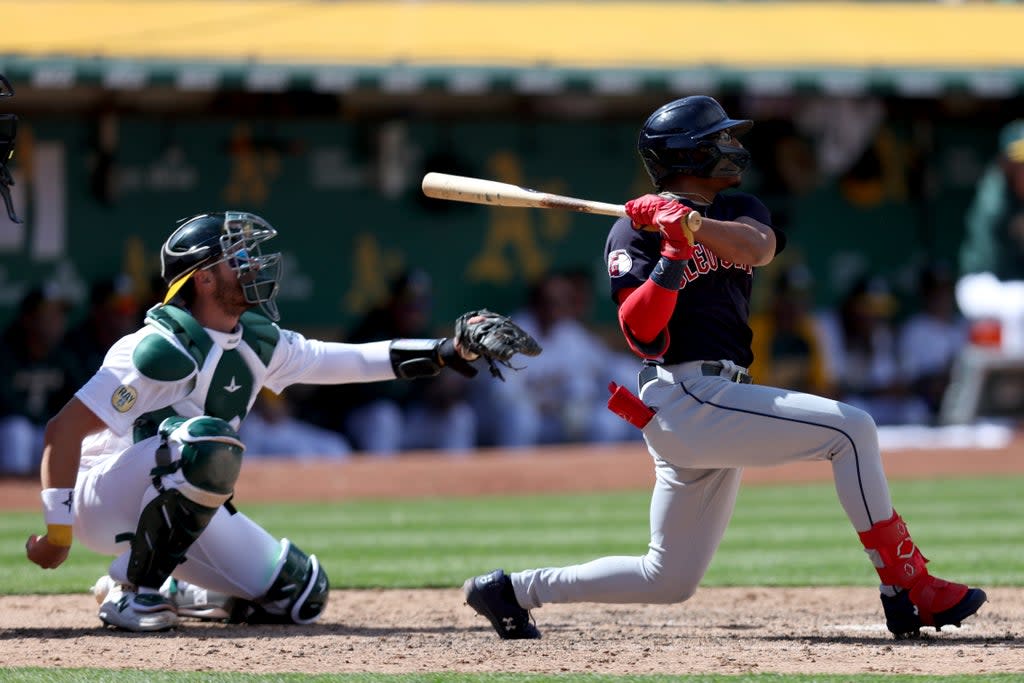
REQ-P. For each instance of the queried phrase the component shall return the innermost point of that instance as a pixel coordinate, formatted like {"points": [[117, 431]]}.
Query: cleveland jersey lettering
{"points": [[710, 319]]}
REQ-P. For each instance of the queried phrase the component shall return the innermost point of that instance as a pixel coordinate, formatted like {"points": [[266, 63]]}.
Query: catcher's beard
{"points": [[228, 294]]}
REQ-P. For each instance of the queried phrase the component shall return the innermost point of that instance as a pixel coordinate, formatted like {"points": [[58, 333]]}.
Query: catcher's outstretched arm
{"points": [[413, 358], [478, 334]]}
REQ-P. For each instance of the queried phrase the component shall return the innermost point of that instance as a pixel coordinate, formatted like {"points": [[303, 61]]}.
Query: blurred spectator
{"points": [[862, 347], [843, 130], [383, 418], [560, 397], [37, 377], [994, 242], [931, 339], [990, 291], [788, 346], [582, 300], [156, 288], [271, 428], [112, 313]]}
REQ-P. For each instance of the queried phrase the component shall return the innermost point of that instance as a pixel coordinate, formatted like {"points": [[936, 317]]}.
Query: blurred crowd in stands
{"points": [[885, 348], [864, 352]]}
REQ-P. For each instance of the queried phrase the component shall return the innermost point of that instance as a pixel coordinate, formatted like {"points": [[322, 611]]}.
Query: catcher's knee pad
{"points": [[207, 452], [197, 466], [298, 594]]}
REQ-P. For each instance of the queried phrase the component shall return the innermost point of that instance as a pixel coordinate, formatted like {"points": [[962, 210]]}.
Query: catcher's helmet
{"points": [[8, 131], [682, 137], [207, 239]]}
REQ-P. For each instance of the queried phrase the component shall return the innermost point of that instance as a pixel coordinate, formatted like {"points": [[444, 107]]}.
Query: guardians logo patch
{"points": [[124, 398], [619, 263]]}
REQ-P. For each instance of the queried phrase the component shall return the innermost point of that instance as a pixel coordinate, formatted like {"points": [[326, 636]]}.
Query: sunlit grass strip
{"points": [[779, 536]]}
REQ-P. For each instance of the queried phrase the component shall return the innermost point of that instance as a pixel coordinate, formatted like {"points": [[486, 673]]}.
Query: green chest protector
{"points": [[231, 385]]}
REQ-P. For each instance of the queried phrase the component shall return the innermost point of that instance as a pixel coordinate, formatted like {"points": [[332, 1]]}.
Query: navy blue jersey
{"points": [[710, 318]]}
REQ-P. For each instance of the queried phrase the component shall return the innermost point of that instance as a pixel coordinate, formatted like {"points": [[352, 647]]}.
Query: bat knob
{"points": [[694, 221]]}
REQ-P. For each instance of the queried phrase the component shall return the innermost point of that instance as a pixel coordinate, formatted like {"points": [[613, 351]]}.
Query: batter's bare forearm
{"points": [[740, 241]]}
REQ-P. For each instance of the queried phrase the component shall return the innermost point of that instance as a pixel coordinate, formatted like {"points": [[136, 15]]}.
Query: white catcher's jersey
{"points": [[174, 366]]}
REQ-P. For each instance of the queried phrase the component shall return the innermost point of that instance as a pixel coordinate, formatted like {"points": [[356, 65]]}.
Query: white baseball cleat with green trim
{"points": [[123, 608]]}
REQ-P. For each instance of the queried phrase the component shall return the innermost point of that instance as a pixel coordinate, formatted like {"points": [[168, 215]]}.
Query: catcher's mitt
{"points": [[494, 337]]}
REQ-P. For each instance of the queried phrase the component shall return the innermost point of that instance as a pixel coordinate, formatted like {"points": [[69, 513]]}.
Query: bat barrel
{"points": [[481, 191], [494, 193]]}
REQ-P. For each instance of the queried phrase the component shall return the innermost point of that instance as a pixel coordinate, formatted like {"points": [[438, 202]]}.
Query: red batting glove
{"points": [[670, 217], [642, 209]]}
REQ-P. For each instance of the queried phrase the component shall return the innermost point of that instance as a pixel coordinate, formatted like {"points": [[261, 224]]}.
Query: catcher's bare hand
{"points": [[45, 554], [465, 353], [493, 337]]}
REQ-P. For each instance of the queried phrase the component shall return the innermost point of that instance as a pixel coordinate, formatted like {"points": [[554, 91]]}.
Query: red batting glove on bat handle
{"points": [[642, 209], [670, 217]]}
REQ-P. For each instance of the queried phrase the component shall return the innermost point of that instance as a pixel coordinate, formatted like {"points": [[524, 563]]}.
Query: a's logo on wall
{"points": [[619, 263], [124, 398]]}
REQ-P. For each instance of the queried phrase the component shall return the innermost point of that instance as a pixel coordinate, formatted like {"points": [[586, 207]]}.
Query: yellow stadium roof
{"points": [[604, 42]]}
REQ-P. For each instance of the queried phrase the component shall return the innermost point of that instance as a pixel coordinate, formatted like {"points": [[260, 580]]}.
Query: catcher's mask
{"points": [[207, 239], [8, 131], [692, 136]]}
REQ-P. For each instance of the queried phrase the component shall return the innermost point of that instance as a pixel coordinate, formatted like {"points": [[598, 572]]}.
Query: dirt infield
{"points": [[720, 630]]}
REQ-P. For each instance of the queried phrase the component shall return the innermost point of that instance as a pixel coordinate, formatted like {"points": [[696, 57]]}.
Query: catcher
{"points": [[142, 462]]}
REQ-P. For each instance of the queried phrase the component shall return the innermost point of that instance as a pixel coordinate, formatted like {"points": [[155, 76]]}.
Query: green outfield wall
{"points": [[100, 191]]}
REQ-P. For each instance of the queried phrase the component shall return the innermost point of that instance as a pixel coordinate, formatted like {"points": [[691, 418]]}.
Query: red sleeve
{"points": [[644, 313]]}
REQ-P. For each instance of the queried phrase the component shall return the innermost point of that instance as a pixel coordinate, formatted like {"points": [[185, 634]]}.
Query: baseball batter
{"points": [[143, 461], [683, 306]]}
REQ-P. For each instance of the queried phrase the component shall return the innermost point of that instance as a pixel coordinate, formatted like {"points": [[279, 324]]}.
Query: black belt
{"points": [[711, 368]]}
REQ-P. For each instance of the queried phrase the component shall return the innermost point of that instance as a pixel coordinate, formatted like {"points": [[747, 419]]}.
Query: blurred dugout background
{"points": [[875, 122]]}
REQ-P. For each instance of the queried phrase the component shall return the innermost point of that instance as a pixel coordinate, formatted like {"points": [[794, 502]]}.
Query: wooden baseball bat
{"points": [[479, 191]]}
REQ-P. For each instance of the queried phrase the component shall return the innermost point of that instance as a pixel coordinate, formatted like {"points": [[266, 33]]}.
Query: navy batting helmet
{"points": [[233, 236], [8, 131], [685, 137]]}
